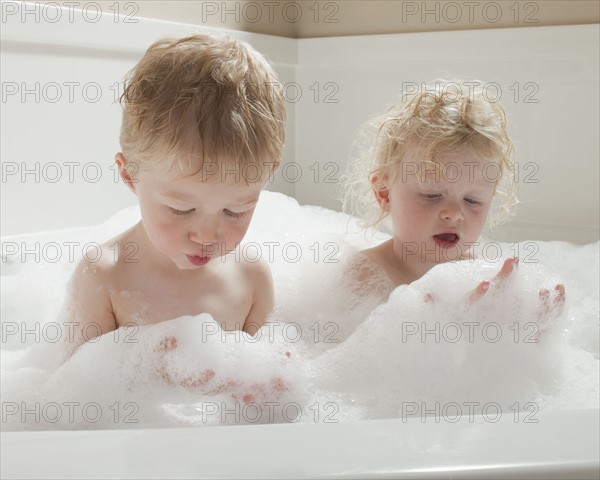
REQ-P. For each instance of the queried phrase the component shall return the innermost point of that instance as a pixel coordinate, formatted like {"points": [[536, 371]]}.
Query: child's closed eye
{"points": [[431, 196], [472, 201], [181, 213], [235, 215]]}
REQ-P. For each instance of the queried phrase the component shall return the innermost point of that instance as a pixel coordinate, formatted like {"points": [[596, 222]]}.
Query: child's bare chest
{"points": [[146, 302]]}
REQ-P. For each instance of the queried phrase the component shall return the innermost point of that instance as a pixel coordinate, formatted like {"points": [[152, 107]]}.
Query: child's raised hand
{"points": [[551, 305], [557, 303], [551, 302], [508, 267]]}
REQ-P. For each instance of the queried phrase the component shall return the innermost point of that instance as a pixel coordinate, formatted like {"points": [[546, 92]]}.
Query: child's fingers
{"points": [[479, 291], [285, 352], [164, 374], [558, 300], [507, 268], [550, 308], [278, 384], [197, 381], [167, 344], [262, 392], [555, 307], [561, 295], [223, 386]]}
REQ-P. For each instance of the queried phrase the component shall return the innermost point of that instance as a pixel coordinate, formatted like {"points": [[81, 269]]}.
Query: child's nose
{"points": [[452, 211], [205, 231]]}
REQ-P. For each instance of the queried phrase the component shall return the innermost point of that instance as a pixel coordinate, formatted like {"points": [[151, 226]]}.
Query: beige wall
{"points": [[311, 18]]}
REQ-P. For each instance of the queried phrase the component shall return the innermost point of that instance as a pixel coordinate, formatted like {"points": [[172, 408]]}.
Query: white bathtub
{"points": [[561, 445]]}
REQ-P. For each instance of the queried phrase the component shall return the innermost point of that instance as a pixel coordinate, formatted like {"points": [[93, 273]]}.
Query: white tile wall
{"points": [[332, 85]]}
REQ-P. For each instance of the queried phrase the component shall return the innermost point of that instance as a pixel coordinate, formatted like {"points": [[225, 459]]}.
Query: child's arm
{"points": [[88, 309], [261, 281]]}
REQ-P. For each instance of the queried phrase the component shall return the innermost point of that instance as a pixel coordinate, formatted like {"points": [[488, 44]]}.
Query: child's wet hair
{"points": [[201, 101], [437, 120]]}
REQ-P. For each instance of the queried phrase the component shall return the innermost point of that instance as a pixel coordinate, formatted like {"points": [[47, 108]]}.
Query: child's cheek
{"points": [[236, 232], [162, 221], [166, 230], [477, 222]]}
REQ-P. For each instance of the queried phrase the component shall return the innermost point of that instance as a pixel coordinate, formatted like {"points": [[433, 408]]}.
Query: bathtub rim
{"points": [[563, 444]]}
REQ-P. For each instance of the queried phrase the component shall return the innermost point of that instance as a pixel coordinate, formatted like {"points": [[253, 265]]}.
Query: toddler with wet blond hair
{"points": [[202, 131], [436, 163]]}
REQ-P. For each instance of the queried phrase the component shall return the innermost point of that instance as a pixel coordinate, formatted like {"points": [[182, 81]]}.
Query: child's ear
{"points": [[381, 191], [125, 171]]}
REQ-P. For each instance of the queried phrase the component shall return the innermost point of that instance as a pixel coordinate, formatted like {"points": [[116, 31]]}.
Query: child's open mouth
{"points": [[197, 260], [446, 240]]}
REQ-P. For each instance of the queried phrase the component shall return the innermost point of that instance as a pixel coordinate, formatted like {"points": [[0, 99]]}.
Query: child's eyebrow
{"points": [[176, 196], [185, 198], [246, 201]]}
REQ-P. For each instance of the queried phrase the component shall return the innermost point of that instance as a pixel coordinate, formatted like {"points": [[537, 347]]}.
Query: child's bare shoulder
{"points": [[366, 273], [89, 308], [98, 274], [105, 260], [255, 269], [362, 265]]}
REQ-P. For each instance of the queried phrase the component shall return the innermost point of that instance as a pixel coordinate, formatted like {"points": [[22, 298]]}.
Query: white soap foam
{"points": [[326, 354]]}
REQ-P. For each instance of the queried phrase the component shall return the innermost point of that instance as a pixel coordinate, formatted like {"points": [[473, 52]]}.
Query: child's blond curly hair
{"points": [[438, 119], [202, 99]]}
